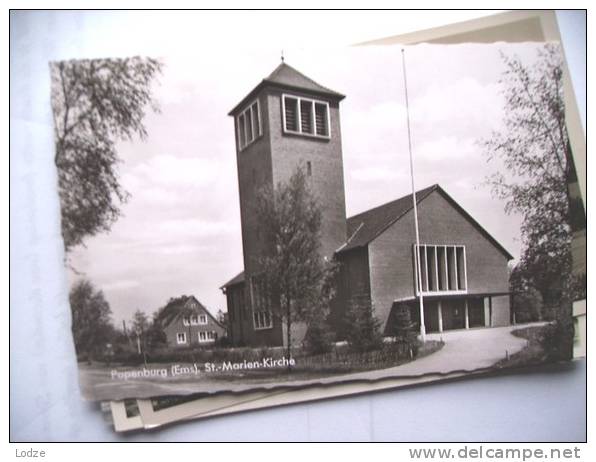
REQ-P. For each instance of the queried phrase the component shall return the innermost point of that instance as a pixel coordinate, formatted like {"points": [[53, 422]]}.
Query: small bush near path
{"points": [[541, 347]]}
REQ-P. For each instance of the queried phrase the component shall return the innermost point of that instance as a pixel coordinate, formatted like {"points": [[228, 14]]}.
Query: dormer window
{"points": [[249, 125], [305, 116]]}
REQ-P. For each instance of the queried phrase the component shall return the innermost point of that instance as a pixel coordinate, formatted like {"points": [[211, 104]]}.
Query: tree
{"points": [[294, 277], [96, 103], [319, 336], [91, 323], [222, 318], [362, 327], [156, 336], [526, 301], [140, 326], [535, 150]]}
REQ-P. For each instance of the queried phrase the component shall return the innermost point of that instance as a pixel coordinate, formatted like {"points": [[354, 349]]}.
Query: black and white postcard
{"points": [[243, 221]]}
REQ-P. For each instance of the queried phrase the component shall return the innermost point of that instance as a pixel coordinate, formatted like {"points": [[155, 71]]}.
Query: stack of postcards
{"points": [[253, 230]]}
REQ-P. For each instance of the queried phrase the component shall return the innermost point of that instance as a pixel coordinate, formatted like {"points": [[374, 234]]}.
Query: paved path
{"points": [[465, 350]]}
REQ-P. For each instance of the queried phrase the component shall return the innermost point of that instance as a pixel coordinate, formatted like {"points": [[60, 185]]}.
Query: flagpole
{"points": [[417, 249]]}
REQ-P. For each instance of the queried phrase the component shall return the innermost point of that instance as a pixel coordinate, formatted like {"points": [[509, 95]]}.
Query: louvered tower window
{"points": [[291, 113], [321, 119], [305, 116], [249, 125]]}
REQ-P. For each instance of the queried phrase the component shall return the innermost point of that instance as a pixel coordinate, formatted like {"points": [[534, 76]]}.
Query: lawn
{"points": [[532, 353]]}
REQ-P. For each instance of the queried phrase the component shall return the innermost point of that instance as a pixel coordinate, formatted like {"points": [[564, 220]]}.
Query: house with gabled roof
{"points": [[289, 120], [187, 322]]}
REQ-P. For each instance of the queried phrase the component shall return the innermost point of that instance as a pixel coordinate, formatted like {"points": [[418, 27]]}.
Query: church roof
{"points": [[285, 76], [366, 226], [239, 278]]}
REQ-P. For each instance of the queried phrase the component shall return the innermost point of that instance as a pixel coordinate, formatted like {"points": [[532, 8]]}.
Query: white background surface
{"points": [[544, 405]]}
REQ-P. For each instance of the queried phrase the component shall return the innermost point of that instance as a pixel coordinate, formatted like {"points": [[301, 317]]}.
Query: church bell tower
{"points": [[289, 120]]}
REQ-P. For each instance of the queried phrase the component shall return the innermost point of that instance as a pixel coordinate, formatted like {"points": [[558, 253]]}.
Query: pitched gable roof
{"points": [[285, 76], [175, 307], [238, 279], [366, 226]]}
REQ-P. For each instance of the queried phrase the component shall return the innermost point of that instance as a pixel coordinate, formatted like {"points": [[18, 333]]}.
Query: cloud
{"points": [[446, 148], [371, 174], [169, 170], [458, 108], [121, 285], [194, 227]]}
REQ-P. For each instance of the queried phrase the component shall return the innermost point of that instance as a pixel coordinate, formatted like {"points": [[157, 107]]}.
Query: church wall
{"points": [[392, 260], [325, 156]]}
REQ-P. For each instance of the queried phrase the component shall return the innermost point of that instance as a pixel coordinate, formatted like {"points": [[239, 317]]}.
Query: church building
{"points": [[289, 120]]}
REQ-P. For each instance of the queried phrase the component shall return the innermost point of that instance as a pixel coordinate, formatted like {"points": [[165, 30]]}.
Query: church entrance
{"points": [[454, 316]]}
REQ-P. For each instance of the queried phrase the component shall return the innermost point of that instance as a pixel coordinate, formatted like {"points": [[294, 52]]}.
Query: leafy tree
{"points": [[156, 336], [140, 326], [362, 327], [403, 329], [91, 324], [534, 148], [526, 301], [140, 322], [96, 103], [222, 318], [294, 277]]}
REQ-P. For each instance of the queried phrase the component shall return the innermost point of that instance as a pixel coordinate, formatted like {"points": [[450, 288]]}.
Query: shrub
{"points": [[527, 306], [403, 329], [319, 337], [362, 327], [557, 340]]}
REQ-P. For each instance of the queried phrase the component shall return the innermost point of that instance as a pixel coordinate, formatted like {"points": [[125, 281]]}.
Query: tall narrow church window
{"points": [[305, 116], [262, 317], [249, 125], [442, 268]]}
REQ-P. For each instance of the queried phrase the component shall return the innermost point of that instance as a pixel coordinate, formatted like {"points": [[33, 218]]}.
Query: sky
{"points": [[180, 232]]}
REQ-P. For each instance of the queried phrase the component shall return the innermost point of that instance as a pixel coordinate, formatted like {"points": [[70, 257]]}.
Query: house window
{"points": [[181, 338], [305, 116], [442, 268], [186, 321], [249, 125], [262, 320], [202, 319], [207, 336], [194, 320]]}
